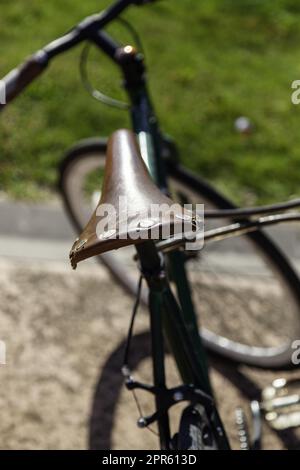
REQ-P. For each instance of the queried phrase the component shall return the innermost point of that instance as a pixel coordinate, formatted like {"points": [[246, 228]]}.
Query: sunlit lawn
{"points": [[209, 62]]}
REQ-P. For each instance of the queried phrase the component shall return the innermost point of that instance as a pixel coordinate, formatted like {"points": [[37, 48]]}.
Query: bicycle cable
{"points": [[125, 368], [95, 93]]}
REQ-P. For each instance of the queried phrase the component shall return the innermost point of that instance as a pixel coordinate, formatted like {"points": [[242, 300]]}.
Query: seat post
{"points": [[151, 260], [152, 267]]}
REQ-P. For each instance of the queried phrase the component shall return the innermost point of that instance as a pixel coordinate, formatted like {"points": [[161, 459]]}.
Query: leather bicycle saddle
{"points": [[124, 215]]}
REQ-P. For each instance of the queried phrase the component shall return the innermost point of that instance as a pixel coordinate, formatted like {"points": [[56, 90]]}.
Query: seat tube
{"points": [[152, 268]]}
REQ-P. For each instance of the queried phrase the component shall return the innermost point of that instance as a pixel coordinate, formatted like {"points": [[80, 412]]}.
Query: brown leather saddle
{"points": [[124, 215]]}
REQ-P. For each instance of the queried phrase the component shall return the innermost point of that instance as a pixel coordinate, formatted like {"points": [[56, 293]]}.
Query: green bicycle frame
{"points": [[178, 321]]}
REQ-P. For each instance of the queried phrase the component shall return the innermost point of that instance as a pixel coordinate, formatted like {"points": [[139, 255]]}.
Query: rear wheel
{"points": [[245, 291]]}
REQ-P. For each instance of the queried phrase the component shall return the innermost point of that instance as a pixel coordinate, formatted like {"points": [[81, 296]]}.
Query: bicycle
{"points": [[172, 316], [254, 255]]}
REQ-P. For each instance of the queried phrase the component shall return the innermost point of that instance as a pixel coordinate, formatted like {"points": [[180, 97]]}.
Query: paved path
{"points": [[46, 232], [34, 231]]}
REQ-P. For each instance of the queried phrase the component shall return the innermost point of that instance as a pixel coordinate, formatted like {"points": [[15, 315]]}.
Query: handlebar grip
{"points": [[19, 78]]}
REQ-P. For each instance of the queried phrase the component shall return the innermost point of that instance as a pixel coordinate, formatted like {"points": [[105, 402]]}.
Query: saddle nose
{"points": [[131, 208]]}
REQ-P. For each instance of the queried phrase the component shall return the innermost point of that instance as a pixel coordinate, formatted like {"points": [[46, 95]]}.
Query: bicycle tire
{"points": [[271, 357]]}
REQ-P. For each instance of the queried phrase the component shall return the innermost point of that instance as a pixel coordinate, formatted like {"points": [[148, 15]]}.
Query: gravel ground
{"points": [[62, 388]]}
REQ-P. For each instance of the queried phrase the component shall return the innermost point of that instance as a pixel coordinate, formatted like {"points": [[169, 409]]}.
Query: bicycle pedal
{"points": [[281, 404], [242, 429], [249, 441]]}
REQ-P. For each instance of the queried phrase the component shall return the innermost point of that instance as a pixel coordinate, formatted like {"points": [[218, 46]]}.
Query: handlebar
{"points": [[88, 29], [20, 77]]}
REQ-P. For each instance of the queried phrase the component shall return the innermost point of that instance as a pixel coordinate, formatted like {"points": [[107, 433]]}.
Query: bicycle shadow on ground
{"points": [[103, 409]]}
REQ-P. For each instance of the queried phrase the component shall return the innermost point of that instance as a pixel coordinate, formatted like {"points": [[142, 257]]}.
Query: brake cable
{"points": [[95, 93], [125, 368]]}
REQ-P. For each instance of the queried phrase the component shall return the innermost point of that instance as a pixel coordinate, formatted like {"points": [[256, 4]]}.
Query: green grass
{"points": [[209, 62]]}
